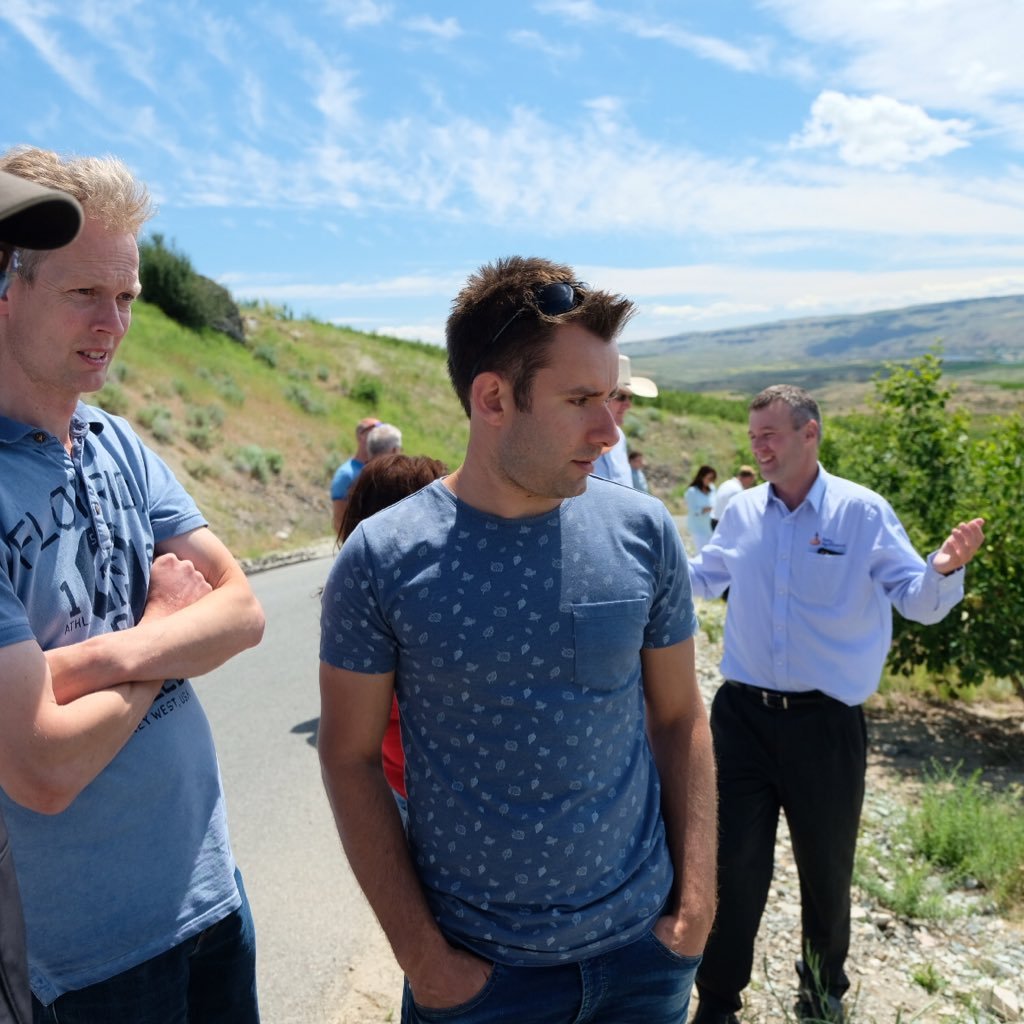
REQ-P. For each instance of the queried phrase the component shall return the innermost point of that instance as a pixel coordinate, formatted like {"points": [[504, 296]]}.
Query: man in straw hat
{"points": [[613, 463]]}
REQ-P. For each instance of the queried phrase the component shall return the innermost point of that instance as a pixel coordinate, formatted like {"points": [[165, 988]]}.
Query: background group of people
{"points": [[512, 739]]}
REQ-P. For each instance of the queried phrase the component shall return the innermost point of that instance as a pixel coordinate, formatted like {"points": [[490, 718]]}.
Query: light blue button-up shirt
{"points": [[811, 591]]}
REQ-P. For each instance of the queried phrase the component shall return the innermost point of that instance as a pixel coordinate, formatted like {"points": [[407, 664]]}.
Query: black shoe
{"points": [[706, 1015], [813, 1005]]}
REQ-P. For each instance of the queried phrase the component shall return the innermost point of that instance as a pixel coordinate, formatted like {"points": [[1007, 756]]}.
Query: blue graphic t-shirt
{"points": [[534, 802], [140, 860]]}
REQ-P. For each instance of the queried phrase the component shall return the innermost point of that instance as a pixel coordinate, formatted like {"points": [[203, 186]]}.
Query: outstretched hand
{"points": [[174, 583], [959, 547]]}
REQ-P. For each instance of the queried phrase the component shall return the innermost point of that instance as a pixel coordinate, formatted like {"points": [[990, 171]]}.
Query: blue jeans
{"points": [[207, 979], [642, 983]]}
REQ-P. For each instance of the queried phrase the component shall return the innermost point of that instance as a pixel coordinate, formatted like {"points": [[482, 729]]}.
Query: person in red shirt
{"points": [[383, 481]]}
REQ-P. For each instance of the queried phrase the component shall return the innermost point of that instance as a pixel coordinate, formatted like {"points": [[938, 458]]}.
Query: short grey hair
{"points": [[383, 439], [802, 407]]}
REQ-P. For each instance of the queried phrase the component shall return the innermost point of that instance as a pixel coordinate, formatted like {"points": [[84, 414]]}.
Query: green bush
{"points": [[157, 419], [366, 389], [113, 398], [257, 462], [928, 462], [266, 354], [972, 832], [170, 282]]}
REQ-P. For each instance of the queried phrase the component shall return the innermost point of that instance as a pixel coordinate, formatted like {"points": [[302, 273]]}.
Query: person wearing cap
{"points": [[613, 463], [113, 591], [814, 565], [537, 628], [745, 477], [36, 218], [345, 475]]}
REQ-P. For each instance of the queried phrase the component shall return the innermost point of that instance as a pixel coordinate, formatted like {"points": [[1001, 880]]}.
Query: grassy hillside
{"points": [[255, 430], [835, 357]]}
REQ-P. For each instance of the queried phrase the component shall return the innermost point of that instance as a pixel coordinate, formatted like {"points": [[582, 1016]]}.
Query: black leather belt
{"points": [[779, 700]]}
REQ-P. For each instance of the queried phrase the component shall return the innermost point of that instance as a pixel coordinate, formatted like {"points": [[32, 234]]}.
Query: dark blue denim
{"points": [[207, 979], [642, 983]]}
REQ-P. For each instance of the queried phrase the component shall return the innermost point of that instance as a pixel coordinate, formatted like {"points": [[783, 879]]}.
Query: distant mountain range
{"points": [[976, 331]]}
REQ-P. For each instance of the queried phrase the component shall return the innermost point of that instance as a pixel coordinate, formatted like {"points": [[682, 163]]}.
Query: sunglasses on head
{"points": [[552, 299]]}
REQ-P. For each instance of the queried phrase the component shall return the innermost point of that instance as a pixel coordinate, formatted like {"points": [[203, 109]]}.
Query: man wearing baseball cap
{"points": [[113, 592], [38, 218]]}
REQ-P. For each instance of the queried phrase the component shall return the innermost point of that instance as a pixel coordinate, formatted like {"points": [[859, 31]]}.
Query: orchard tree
{"points": [[919, 454]]}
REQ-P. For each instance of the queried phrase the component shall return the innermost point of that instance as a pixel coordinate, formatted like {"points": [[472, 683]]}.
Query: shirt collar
{"points": [[815, 496]]}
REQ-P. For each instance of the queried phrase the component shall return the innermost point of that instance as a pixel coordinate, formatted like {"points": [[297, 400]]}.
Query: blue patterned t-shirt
{"points": [[534, 801]]}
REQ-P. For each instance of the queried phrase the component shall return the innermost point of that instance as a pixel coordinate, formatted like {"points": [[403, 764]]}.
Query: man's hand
{"points": [[174, 583], [959, 547], [451, 981], [680, 937]]}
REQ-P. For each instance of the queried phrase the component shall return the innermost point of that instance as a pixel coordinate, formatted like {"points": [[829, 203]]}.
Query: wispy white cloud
{"points": [[30, 21], [878, 131], [359, 13], [558, 50], [447, 29], [704, 46]]}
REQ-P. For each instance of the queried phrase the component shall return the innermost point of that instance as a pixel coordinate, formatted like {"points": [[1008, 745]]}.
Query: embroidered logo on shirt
{"points": [[827, 546]]}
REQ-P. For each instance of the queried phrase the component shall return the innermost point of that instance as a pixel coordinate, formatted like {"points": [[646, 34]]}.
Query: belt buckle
{"points": [[775, 701]]}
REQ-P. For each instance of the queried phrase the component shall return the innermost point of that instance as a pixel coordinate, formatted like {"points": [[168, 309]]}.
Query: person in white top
{"points": [[745, 477]]}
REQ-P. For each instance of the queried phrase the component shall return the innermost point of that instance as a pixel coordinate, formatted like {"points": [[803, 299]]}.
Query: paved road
{"points": [[263, 705]]}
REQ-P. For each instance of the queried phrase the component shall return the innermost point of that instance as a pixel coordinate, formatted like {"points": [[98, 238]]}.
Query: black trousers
{"points": [[809, 760]]}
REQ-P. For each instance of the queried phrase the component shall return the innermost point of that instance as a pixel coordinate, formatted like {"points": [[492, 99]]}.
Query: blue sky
{"points": [[721, 162]]}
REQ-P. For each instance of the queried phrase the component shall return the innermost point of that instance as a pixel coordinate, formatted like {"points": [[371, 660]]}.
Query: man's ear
{"points": [[490, 397]]}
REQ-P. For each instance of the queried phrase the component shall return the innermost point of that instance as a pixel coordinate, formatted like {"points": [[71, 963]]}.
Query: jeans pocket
{"points": [[413, 1013], [686, 962]]}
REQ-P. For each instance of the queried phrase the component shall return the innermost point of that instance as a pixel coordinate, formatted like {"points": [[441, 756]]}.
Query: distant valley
{"points": [[981, 339]]}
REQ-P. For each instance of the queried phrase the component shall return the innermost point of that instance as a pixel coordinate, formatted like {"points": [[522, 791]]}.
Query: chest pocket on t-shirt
{"points": [[608, 637]]}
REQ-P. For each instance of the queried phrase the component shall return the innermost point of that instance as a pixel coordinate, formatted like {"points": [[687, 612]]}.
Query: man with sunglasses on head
{"points": [[537, 628], [39, 218], [113, 591]]}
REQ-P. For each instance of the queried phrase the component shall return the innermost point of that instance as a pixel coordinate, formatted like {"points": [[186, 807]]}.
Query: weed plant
{"points": [[972, 832]]}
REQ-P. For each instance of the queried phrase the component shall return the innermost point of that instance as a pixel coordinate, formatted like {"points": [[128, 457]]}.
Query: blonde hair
{"points": [[108, 191]]}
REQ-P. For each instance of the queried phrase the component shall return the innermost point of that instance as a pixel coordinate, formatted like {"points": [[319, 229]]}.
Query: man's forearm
{"points": [[187, 643], [50, 752], [375, 844], [685, 760]]}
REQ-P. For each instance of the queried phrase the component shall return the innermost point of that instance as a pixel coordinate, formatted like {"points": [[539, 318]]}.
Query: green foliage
{"points": [[972, 832], [693, 403], [305, 400], [157, 419], [907, 886], [921, 455], [962, 835], [266, 354], [928, 977], [170, 282], [257, 462], [112, 397], [366, 389]]}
